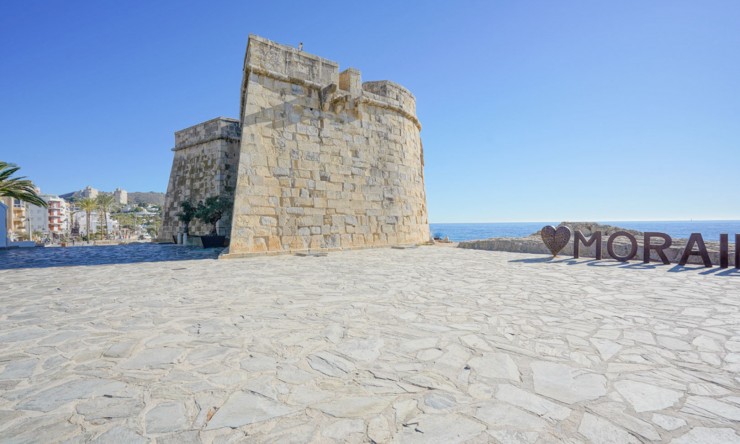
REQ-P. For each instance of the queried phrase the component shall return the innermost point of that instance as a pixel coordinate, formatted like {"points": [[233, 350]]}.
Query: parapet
{"points": [[266, 57], [214, 129], [392, 94]]}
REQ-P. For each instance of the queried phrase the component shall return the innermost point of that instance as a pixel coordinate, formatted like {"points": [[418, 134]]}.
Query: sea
{"points": [[710, 229]]}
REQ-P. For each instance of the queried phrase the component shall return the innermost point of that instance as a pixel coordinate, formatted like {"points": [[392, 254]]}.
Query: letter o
{"points": [[610, 246]]}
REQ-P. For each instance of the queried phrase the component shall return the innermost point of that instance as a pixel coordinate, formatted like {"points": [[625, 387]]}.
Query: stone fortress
{"points": [[318, 161]]}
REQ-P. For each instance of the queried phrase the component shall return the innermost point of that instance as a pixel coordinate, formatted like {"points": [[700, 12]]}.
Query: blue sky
{"points": [[531, 110]]}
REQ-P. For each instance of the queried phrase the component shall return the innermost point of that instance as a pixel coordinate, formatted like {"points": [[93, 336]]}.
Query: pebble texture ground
{"points": [[421, 345]]}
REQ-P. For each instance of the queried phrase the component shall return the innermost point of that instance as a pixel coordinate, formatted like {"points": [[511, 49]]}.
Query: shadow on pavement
{"points": [[635, 265], [40, 257]]}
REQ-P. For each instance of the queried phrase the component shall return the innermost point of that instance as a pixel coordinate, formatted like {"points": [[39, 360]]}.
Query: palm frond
{"points": [[18, 187]]}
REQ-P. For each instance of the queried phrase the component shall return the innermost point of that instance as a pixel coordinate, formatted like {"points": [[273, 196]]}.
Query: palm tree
{"points": [[105, 202], [18, 187], [87, 205]]}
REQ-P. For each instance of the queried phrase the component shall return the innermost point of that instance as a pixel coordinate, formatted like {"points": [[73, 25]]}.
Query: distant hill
{"points": [[134, 197]]}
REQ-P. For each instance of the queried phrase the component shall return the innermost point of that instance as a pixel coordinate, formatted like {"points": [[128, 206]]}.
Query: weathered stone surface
{"points": [[565, 383], [600, 431], [441, 429], [530, 402], [705, 435], [98, 408], [501, 416], [205, 162], [378, 429], [330, 364], [167, 417], [120, 434], [119, 350], [49, 399], [646, 397], [246, 408], [354, 406], [496, 365], [19, 369], [342, 428], [153, 358], [253, 332], [705, 406], [668, 422]]}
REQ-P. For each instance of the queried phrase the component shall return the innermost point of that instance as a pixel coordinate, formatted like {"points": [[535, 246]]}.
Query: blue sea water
{"points": [[710, 229]]}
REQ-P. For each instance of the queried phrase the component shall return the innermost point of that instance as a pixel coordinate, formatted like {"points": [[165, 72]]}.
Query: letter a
{"points": [[695, 238]]}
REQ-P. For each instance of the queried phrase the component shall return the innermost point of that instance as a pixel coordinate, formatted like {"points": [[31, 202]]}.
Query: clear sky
{"points": [[531, 110]]}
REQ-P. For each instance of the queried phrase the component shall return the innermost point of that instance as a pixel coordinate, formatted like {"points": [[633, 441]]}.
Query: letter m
{"points": [[596, 237]]}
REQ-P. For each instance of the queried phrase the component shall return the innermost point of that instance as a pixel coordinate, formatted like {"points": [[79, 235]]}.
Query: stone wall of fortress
{"points": [[321, 160], [326, 161], [204, 164]]}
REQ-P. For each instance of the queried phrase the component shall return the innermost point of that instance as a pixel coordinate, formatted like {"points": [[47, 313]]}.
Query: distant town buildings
{"points": [[62, 218], [50, 222], [16, 218], [97, 221], [3, 227], [120, 196], [90, 192]]}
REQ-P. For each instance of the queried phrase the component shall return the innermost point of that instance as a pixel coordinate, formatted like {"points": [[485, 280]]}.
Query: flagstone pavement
{"points": [[420, 345]]}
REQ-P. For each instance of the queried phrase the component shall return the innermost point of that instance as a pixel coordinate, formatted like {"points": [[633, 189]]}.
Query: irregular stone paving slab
{"points": [[496, 365], [99, 408], [330, 365], [153, 358], [354, 406], [120, 434], [565, 383], [167, 417], [600, 431], [646, 397], [387, 345], [704, 406], [501, 416], [704, 435], [446, 429], [246, 408], [532, 403], [668, 422], [49, 399]]}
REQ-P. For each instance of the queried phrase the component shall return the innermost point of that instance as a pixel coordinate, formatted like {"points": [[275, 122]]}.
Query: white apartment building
{"points": [[52, 221], [79, 218]]}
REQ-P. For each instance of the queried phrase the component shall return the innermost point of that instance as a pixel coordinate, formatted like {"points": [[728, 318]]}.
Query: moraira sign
{"points": [[557, 238]]}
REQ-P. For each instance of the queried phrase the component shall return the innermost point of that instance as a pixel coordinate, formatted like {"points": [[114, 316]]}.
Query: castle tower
{"points": [[204, 165], [325, 161]]}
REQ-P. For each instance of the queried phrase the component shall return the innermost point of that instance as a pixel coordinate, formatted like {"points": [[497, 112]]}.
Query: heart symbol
{"points": [[555, 239]]}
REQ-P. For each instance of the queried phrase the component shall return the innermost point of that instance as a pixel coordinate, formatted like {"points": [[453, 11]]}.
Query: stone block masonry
{"points": [[204, 165], [318, 161], [326, 161]]}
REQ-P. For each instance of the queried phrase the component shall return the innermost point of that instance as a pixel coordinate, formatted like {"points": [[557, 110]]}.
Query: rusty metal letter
{"points": [[595, 237], [647, 246], [724, 251], [610, 246], [695, 238]]}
